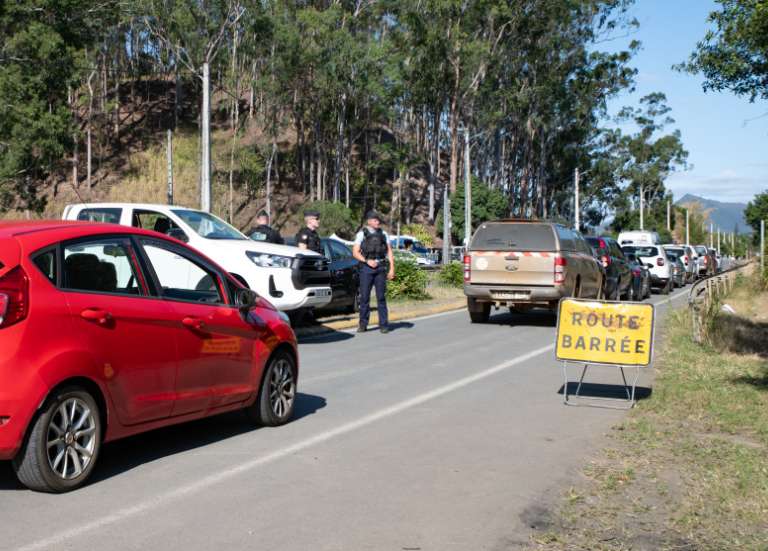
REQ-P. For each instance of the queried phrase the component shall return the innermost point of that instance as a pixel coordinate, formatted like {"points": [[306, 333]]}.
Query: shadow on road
{"points": [[597, 390], [123, 455], [534, 318], [329, 336]]}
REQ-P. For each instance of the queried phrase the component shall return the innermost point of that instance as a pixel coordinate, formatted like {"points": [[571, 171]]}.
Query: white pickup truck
{"points": [[292, 279]]}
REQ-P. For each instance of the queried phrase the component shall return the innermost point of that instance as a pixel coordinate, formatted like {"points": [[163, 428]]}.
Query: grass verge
{"points": [[688, 468]]}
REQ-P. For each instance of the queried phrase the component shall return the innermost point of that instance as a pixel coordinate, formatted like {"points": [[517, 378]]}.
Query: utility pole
{"points": [[669, 218], [576, 203], [205, 165], [762, 248], [687, 227], [718, 240], [711, 236], [446, 227], [642, 207], [467, 192], [169, 159]]}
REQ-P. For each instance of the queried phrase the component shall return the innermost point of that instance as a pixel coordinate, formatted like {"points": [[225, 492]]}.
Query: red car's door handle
{"points": [[193, 323], [102, 317]]}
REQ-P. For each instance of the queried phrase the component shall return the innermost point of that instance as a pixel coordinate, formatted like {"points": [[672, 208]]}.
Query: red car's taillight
{"points": [[560, 264], [14, 297], [467, 268], [606, 260], [659, 261]]}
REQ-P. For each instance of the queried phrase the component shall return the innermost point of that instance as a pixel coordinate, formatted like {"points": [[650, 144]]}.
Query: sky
{"points": [[726, 136]]}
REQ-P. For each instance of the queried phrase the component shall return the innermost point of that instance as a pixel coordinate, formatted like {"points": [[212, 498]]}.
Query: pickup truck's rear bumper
{"points": [[515, 294]]}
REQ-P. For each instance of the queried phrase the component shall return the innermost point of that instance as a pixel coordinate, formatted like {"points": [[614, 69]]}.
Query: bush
{"points": [[452, 274], [410, 281], [420, 232], [334, 218]]}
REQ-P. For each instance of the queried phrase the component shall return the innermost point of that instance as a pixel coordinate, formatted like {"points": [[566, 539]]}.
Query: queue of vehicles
{"points": [[525, 264]]}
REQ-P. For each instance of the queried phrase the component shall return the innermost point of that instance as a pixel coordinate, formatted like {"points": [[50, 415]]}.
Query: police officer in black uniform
{"points": [[377, 265], [307, 237], [265, 232]]}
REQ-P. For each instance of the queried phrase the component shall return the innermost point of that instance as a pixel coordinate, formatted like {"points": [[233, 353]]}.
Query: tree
{"points": [[734, 55], [334, 218], [757, 210], [487, 204]]}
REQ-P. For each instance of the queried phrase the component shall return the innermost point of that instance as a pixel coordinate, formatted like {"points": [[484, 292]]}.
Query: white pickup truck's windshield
{"points": [[208, 225]]}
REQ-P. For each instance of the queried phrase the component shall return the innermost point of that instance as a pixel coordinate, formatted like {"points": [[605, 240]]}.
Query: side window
{"points": [[108, 215], [567, 238], [339, 251], [46, 263], [182, 278], [101, 266], [151, 220]]}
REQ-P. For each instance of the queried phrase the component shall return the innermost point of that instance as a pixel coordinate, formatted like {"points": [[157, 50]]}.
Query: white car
{"points": [[654, 257], [688, 255], [639, 237], [289, 277]]}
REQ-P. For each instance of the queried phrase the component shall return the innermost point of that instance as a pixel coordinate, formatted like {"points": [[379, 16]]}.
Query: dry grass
{"points": [[688, 469]]}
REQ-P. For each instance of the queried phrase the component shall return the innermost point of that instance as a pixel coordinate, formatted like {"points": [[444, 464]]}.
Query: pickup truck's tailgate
{"points": [[512, 268]]}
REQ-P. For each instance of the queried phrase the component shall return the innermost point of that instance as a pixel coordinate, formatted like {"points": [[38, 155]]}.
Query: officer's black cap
{"points": [[372, 214], [262, 213], [315, 213]]}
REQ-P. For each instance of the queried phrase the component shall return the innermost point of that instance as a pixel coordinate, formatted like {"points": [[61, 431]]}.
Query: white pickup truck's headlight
{"points": [[270, 260]]}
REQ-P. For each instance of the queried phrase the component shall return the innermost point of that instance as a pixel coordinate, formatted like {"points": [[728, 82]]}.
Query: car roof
{"points": [[131, 205], [43, 232]]}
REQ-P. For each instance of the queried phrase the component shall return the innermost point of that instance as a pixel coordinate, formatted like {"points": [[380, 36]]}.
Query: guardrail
{"points": [[705, 295]]}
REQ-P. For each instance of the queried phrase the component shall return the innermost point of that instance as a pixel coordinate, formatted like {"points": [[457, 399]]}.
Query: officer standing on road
{"points": [[307, 237], [265, 232], [373, 250]]}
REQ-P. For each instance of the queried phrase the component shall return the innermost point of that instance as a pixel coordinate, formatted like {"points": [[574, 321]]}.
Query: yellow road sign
{"points": [[596, 332]]}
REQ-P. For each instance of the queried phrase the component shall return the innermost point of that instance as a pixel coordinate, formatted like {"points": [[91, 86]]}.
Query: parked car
{"points": [[290, 278], [678, 268], [687, 255], [521, 263], [657, 263], [706, 262], [641, 278], [618, 276], [409, 243], [109, 331], [638, 237], [345, 277]]}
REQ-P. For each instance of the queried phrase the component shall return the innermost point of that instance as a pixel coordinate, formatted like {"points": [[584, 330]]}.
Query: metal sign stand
{"points": [[594, 401]]}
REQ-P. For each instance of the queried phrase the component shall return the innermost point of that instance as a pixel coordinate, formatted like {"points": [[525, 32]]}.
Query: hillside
{"points": [[726, 216]]}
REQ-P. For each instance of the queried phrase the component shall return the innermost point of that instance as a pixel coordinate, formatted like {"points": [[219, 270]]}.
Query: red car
{"points": [[108, 331]]}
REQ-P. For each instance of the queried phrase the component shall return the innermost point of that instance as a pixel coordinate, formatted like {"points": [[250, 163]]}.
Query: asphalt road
{"points": [[441, 435]]}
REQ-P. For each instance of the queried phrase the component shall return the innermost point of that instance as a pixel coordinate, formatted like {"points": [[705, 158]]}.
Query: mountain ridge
{"points": [[725, 216]]}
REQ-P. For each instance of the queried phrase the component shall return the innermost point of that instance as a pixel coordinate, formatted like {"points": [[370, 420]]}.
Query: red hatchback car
{"points": [[107, 331]]}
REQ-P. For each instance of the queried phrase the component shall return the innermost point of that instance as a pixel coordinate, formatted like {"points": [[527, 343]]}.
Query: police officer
{"points": [[265, 232], [374, 252], [307, 237]]}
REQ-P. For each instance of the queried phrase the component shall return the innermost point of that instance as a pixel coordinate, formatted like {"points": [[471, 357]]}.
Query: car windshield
{"points": [[642, 252], [701, 250], [207, 225], [514, 237]]}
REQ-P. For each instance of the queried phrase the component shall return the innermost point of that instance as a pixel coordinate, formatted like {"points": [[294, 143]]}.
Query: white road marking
{"points": [[56, 541]]}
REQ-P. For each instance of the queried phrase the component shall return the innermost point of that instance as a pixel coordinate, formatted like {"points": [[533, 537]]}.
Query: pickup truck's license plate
{"points": [[510, 295]]}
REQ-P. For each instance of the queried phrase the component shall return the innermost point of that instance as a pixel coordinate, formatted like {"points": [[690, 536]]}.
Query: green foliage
{"points": [[734, 54], [452, 274], [487, 204], [410, 281], [757, 210], [419, 231], [334, 218]]}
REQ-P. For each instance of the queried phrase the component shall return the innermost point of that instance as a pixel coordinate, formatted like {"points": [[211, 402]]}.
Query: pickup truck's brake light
{"points": [[659, 261], [560, 265], [606, 260], [14, 297], [467, 268]]}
